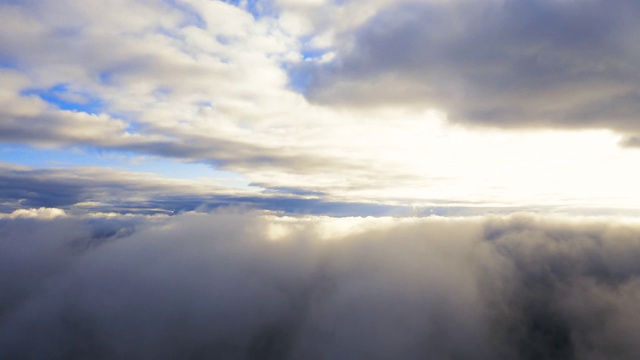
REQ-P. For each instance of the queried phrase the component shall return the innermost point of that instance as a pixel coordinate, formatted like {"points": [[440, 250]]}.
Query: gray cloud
{"points": [[60, 128], [104, 190], [560, 64], [84, 189], [214, 286]]}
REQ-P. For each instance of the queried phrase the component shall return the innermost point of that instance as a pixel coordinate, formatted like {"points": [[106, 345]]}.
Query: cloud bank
{"points": [[507, 64], [251, 286]]}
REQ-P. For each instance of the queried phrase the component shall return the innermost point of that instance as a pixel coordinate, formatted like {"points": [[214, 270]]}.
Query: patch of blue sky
{"points": [[63, 98], [133, 126], [299, 78], [41, 158], [34, 157], [308, 49], [7, 63], [313, 54], [105, 77], [257, 8], [301, 74]]}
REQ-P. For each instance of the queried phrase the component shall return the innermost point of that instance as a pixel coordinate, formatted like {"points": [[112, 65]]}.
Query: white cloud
{"points": [[40, 213]]}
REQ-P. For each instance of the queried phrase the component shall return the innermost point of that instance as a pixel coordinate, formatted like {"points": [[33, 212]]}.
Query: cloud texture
{"points": [[348, 100], [503, 63], [250, 286]]}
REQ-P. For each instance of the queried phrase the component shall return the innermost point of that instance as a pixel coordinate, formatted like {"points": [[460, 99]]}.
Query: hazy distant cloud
{"points": [[43, 193], [238, 286], [104, 190], [547, 63]]}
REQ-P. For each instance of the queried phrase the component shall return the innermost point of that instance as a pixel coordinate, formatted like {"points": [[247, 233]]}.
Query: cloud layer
{"points": [[507, 64], [249, 286], [82, 190]]}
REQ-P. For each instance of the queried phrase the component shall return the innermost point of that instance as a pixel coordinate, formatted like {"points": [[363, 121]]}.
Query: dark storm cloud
{"points": [[543, 63], [203, 286]]}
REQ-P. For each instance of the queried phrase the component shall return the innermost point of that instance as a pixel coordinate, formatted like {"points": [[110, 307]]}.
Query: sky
{"points": [[469, 105], [320, 179]]}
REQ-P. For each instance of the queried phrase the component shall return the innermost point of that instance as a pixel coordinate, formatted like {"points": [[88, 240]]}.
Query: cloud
{"points": [[104, 190], [237, 285], [40, 213], [29, 119], [508, 64], [195, 80], [87, 190], [28, 192]]}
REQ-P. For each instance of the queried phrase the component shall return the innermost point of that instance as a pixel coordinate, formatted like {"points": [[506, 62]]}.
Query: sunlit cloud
{"points": [[319, 179], [238, 285]]}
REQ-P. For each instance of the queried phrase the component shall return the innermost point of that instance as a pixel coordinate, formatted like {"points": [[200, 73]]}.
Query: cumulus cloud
{"points": [[28, 119], [237, 286], [558, 64], [192, 80], [195, 80]]}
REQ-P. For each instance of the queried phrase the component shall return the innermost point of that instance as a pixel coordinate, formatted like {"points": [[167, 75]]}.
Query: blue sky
{"points": [[58, 94]]}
